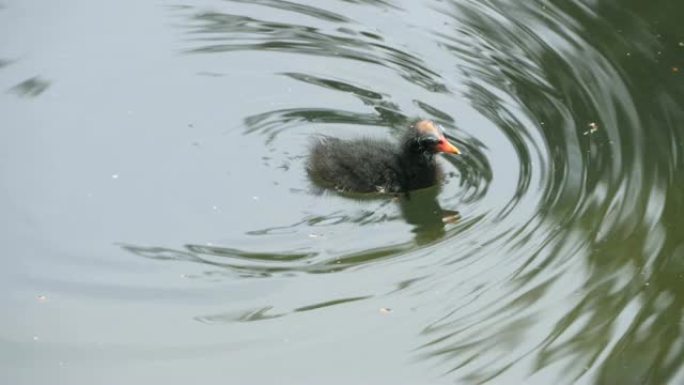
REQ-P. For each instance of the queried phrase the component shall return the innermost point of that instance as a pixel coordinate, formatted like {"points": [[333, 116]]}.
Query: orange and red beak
{"points": [[445, 146]]}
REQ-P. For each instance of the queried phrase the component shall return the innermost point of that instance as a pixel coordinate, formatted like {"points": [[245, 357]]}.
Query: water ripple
{"points": [[559, 258]]}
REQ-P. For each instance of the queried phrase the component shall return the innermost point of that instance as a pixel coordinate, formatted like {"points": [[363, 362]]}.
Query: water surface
{"points": [[158, 224]]}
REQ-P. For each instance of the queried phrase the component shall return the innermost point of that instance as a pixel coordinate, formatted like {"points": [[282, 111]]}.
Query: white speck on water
{"points": [[256, 198], [115, 176], [35, 338], [42, 298], [593, 127]]}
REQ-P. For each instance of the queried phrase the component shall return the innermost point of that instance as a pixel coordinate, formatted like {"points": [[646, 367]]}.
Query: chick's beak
{"points": [[445, 146]]}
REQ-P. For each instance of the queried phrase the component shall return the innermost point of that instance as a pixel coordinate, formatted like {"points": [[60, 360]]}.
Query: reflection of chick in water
{"points": [[422, 210]]}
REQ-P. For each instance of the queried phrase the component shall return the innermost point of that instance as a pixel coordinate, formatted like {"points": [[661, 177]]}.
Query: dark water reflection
{"points": [[553, 252], [30, 87]]}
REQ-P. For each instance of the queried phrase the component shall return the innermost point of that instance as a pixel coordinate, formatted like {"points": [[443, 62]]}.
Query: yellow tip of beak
{"points": [[449, 148]]}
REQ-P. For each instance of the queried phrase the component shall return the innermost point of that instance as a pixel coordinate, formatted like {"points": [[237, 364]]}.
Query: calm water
{"points": [[158, 225]]}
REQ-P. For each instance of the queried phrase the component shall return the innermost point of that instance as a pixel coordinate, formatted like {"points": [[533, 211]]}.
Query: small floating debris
{"points": [[35, 338], [41, 298], [385, 310], [451, 218], [115, 176], [675, 69], [593, 127], [314, 235], [256, 198]]}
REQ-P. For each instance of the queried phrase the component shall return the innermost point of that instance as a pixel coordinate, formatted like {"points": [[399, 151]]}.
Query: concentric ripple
{"points": [[564, 265]]}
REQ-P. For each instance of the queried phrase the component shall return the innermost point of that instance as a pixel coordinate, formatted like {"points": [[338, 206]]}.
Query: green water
{"points": [[158, 225]]}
